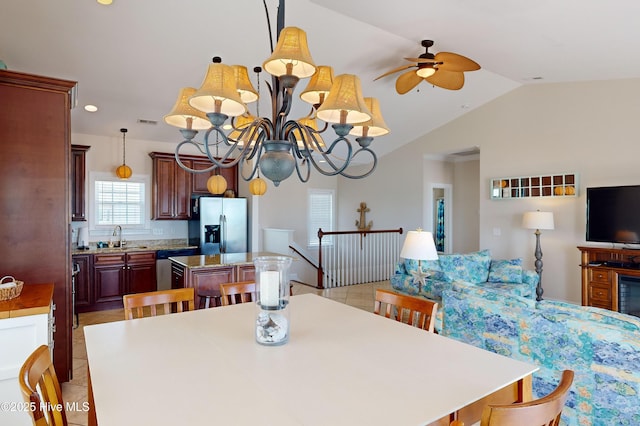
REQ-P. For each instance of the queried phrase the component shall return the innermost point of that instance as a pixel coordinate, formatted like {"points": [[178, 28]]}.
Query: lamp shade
{"points": [[182, 112], [247, 93], [313, 126], [218, 92], [319, 86], [241, 123], [374, 127], [538, 220], [419, 245], [291, 55], [345, 103]]}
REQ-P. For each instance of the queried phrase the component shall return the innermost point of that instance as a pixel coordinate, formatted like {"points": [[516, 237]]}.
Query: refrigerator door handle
{"points": [[223, 233]]}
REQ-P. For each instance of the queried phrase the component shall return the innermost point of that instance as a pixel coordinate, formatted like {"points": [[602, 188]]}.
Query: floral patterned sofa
{"points": [[601, 346], [473, 268]]}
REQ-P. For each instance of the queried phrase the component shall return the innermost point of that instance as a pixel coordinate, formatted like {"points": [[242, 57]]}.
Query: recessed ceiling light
{"points": [[105, 2], [90, 108]]}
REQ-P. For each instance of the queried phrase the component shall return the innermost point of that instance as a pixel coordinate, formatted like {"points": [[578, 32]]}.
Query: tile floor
{"points": [[360, 296]]}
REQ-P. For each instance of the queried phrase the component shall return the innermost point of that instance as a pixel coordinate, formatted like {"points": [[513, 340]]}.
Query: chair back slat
{"points": [[417, 312], [136, 303], [230, 293], [40, 388]]}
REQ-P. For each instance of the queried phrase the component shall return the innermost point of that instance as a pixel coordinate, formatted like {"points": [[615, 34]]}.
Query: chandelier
{"points": [[278, 145]]}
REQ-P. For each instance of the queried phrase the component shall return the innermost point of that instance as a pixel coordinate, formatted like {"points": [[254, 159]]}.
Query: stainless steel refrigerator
{"points": [[219, 221]]}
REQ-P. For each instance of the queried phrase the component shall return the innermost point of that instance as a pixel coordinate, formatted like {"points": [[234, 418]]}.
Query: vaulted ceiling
{"points": [[131, 58]]}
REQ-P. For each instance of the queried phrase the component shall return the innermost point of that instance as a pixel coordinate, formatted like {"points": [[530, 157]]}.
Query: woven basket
{"points": [[11, 292]]}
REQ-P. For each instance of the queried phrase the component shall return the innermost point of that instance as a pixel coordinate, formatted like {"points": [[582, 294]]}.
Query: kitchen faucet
{"points": [[117, 231]]}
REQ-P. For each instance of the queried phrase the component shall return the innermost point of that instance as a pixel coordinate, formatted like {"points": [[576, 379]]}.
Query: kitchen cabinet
{"points": [[35, 217], [173, 186], [84, 278], [78, 181], [199, 180], [171, 189], [117, 274]]}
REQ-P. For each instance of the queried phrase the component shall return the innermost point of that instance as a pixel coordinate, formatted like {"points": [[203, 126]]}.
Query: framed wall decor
{"points": [[547, 185]]}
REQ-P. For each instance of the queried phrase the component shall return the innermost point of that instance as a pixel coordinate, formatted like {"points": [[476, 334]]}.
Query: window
{"points": [[119, 202], [321, 212]]}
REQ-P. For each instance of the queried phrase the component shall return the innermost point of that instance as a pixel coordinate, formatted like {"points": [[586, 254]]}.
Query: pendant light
{"points": [[257, 186], [217, 184], [123, 171]]}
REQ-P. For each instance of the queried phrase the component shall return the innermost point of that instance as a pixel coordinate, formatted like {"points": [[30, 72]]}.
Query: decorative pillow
{"points": [[506, 271], [471, 267], [430, 266]]}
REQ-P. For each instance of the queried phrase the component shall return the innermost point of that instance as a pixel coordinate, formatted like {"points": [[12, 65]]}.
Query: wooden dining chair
{"points": [[239, 292], [416, 311], [545, 411], [171, 301], [41, 390]]}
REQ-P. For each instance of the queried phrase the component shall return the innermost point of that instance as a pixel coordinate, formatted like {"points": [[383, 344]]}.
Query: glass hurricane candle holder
{"points": [[272, 286]]}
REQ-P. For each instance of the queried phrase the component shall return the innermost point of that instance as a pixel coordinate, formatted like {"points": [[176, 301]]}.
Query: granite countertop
{"points": [[218, 260], [132, 248]]}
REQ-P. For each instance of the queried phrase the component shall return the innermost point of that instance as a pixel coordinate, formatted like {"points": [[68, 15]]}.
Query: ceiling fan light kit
{"points": [[277, 146], [444, 69]]}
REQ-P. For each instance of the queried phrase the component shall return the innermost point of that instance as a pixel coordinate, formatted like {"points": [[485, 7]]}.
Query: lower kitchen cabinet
{"points": [[84, 291], [112, 276]]}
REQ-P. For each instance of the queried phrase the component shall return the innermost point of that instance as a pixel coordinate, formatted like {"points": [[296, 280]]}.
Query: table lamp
{"points": [[419, 246], [538, 220]]}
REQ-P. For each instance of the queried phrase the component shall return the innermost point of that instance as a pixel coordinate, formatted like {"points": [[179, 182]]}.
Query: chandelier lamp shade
{"points": [[277, 146], [123, 171]]}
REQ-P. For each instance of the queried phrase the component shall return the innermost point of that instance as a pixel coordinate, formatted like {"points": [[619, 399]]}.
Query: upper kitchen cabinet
{"points": [[173, 186], [199, 186], [171, 192], [78, 176], [35, 146]]}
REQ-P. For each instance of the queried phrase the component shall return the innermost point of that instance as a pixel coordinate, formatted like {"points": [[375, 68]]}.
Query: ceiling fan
{"points": [[444, 69]]}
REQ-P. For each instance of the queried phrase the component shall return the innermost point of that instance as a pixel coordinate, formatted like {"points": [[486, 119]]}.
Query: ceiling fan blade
{"points": [[454, 62], [446, 79], [404, 67], [407, 81], [422, 60]]}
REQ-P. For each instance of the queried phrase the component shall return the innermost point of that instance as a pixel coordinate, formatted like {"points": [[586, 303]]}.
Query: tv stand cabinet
{"points": [[601, 268]]}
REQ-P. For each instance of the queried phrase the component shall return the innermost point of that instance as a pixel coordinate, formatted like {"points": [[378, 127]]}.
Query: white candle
{"points": [[269, 288]]}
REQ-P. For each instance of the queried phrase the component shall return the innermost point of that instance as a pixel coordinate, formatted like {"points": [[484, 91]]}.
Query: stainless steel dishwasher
{"points": [[163, 265]]}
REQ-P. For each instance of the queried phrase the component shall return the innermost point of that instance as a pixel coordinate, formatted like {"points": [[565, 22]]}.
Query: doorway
{"points": [[440, 218]]}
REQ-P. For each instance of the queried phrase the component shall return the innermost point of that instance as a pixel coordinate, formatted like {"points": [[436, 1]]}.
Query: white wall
{"points": [[466, 206]]}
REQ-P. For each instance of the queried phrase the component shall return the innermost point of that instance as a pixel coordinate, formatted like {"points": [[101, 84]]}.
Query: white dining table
{"points": [[341, 366]]}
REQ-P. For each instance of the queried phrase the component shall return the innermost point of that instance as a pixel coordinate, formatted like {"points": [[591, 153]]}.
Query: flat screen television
{"points": [[613, 214]]}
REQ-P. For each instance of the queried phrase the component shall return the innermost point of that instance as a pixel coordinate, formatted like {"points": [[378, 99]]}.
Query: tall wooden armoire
{"points": [[35, 218]]}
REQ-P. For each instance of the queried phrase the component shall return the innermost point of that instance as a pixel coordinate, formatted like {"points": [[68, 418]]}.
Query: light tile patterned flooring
{"points": [[360, 296]]}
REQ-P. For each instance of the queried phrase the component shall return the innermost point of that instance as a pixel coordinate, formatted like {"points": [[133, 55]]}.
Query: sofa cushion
{"points": [[505, 271], [470, 267]]}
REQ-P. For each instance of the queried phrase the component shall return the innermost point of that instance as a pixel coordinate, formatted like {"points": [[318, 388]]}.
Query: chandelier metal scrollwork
{"points": [[278, 145]]}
